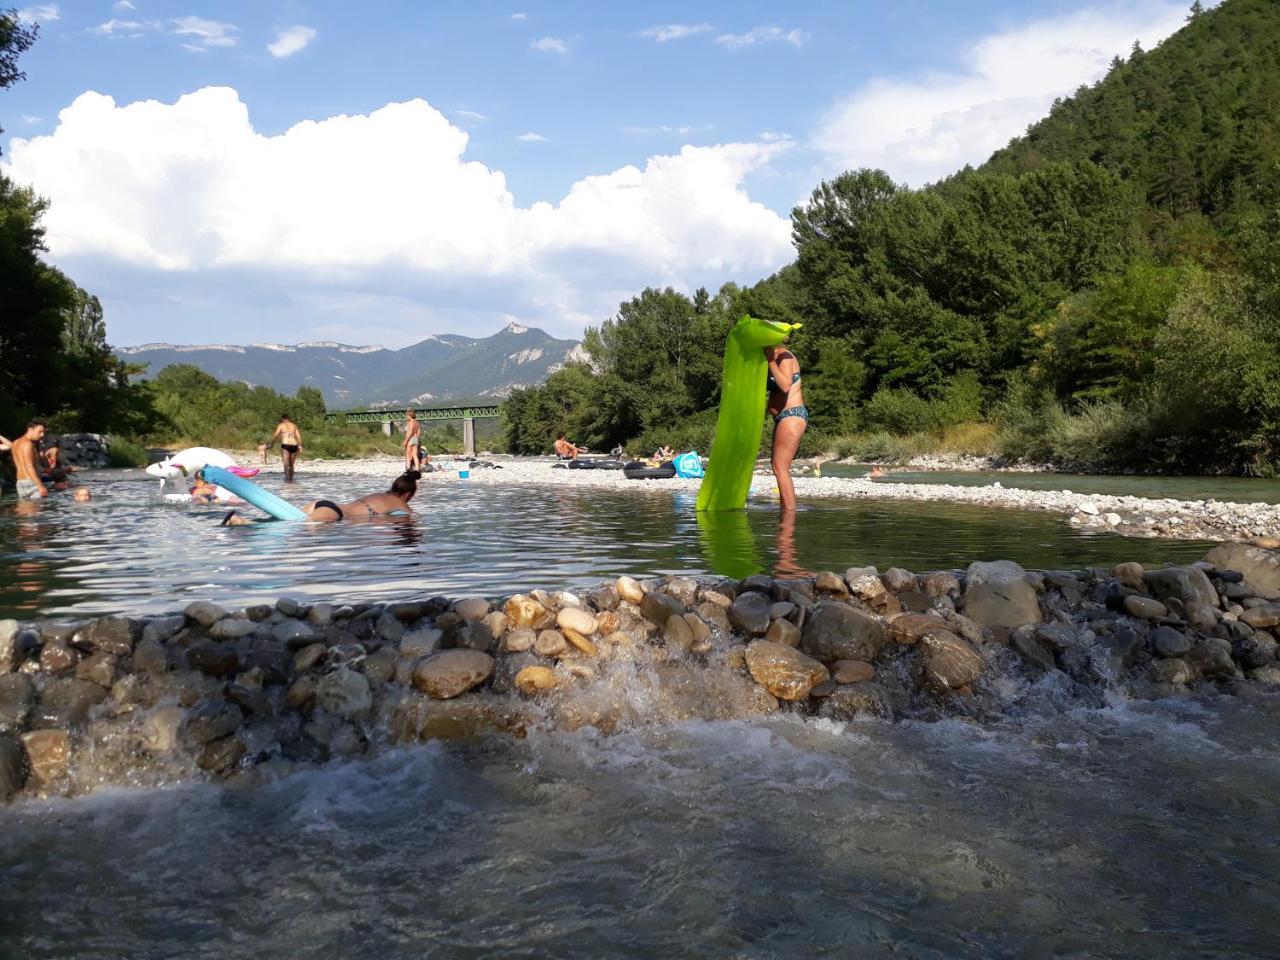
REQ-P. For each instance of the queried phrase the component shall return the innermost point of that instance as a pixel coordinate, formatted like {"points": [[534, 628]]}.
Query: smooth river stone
{"points": [[951, 662], [852, 671], [784, 632], [472, 608], [577, 620], [907, 628], [48, 752], [519, 640], [13, 766], [534, 680], [1144, 608], [749, 614], [204, 612], [551, 643], [1264, 617], [999, 594], [836, 631], [629, 589], [523, 611], [784, 671], [452, 673], [657, 607], [1188, 584], [1261, 568], [344, 693]]}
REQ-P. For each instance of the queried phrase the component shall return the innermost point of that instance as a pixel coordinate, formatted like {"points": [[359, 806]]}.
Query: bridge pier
{"points": [[469, 436], [386, 428]]}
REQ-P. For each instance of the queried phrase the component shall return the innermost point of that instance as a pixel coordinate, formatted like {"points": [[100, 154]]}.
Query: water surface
{"points": [[125, 552]]}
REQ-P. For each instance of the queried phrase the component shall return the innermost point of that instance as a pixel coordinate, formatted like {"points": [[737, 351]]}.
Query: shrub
{"points": [[127, 452]]}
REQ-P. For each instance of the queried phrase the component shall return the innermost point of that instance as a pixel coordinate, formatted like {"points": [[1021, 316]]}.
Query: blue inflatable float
{"points": [[250, 492]]}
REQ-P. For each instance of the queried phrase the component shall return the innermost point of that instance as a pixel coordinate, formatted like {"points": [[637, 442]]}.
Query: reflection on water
{"points": [[1227, 489], [126, 552], [1143, 830]]}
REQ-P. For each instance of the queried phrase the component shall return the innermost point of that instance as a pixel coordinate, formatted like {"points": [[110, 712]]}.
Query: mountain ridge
{"points": [[438, 367]]}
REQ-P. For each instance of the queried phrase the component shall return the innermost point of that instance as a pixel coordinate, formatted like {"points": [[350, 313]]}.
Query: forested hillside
{"points": [[1104, 290]]}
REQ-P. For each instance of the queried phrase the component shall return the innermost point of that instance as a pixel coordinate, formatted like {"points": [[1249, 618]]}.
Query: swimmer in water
{"points": [[395, 502]]}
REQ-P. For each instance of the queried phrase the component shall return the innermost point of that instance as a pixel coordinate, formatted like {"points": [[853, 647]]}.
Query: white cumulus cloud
{"points": [[518, 16], [674, 31], [46, 13], [290, 41], [123, 6], [758, 35], [551, 45], [921, 129], [531, 137], [191, 190]]}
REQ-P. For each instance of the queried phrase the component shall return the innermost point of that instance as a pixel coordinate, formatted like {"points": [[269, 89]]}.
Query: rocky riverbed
{"points": [[213, 693], [1128, 515]]}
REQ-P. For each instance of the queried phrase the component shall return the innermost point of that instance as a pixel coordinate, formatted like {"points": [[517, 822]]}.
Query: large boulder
{"points": [[950, 662], [998, 593], [837, 631], [784, 671], [1186, 584], [1261, 568]]}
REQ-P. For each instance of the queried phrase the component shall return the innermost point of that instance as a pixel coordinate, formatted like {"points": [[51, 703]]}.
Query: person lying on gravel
{"points": [[395, 502]]}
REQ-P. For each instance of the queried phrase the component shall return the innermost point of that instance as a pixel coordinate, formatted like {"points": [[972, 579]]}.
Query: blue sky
{"points": [[545, 160]]}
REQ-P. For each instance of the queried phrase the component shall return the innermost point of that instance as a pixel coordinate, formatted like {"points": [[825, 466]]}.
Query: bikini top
{"points": [[772, 385]]}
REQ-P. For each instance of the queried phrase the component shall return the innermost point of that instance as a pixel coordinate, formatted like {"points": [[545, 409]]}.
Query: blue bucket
{"points": [[464, 474]]}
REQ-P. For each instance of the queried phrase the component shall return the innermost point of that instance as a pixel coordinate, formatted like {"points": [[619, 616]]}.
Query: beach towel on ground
{"points": [[688, 465]]}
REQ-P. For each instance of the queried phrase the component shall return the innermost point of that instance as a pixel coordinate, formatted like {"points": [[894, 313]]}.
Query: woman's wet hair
{"points": [[407, 482]]}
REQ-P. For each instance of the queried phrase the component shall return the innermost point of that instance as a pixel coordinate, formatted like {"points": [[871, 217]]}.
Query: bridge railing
{"points": [[468, 416]]}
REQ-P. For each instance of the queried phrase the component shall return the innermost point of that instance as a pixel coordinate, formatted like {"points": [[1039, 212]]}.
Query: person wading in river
{"points": [[790, 418], [412, 441], [28, 463], [290, 438]]}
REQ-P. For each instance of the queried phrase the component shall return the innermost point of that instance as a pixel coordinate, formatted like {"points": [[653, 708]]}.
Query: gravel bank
{"points": [[1132, 516]]}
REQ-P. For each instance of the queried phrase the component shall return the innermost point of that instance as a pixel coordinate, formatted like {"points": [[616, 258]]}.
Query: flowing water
{"points": [[1226, 489], [1137, 830], [126, 552]]}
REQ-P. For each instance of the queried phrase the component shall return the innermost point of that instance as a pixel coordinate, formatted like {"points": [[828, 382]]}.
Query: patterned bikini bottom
{"points": [[800, 411]]}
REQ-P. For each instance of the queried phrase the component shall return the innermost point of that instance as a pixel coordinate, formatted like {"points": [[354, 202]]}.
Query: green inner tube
{"points": [[742, 404]]}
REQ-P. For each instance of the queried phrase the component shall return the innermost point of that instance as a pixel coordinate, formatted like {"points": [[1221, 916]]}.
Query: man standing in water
{"points": [[412, 441], [290, 438], [27, 462]]}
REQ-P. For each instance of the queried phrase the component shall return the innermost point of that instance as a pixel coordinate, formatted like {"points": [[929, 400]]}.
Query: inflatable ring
{"points": [[638, 471], [582, 464]]}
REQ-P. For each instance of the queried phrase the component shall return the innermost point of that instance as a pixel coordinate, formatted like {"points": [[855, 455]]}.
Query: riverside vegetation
{"points": [[1102, 293], [214, 692]]}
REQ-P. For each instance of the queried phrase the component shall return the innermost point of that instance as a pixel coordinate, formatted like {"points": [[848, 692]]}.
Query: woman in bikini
{"points": [[393, 503], [790, 418]]}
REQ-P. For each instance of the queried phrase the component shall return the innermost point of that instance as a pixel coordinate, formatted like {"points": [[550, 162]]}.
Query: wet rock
{"points": [[534, 680], [17, 698], [678, 633], [469, 635], [1254, 651], [13, 767], [10, 653], [290, 607], [107, 635], [1262, 617], [301, 692], [1187, 584], [715, 615], [211, 720], [551, 643], [1144, 608], [320, 614], [1260, 567], [850, 701], [523, 611], [1122, 647], [48, 753], [293, 634], [756, 583], [204, 612], [897, 579], [656, 607], [837, 631], [232, 629], [1268, 676], [161, 629], [409, 611], [824, 689], [221, 756], [683, 589], [57, 657], [998, 594], [577, 620], [308, 657], [252, 701], [421, 642], [828, 582], [452, 673], [1212, 657], [749, 614], [213, 659], [519, 640], [344, 693], [604, 597], [628, 589], [908, 628], [915, 601], [258, 612], [783, 608], [852, 671], [1174, 670], [1033, 649], [940, 585], [389, 627], [719, 598], [965, 627], [100, 668], [495, 623], [379, 667], [583, 644], [1170, 643], [784, 632], [950, 662], [472, 608], [160, 728], [784, 671], [65, 703]]}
